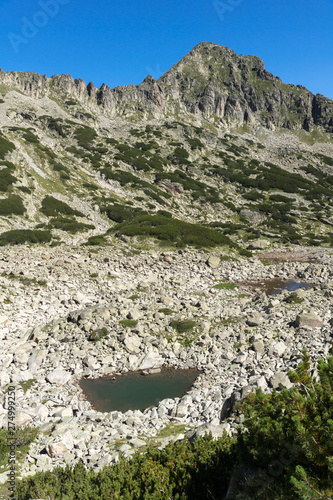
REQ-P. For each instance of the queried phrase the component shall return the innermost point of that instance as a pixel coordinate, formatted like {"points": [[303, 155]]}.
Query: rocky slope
{"points": [[241, 339]]}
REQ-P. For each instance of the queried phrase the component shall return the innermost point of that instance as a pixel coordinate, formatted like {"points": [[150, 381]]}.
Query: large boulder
{"points": [[151, 360], [309, 320], [58, 377], [213, 261]]}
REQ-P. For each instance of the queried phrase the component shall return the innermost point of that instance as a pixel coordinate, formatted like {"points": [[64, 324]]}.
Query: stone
{"points": [[133, 344], [280, 380], [309, 320], [254, 319], [213, 261], [36, 359], [3, 320], [58, 377], [258, 347], [55, 450], [277, 349], [134, 314], [258, 244], [22, 419], [151, 360], [228, 405]]}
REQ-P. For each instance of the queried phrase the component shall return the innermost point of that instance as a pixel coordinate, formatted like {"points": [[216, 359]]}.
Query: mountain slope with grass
{"points": [[217, 152]]}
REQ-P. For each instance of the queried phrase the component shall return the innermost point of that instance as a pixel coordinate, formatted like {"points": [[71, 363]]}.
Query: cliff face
{"points": [[210, 82]]}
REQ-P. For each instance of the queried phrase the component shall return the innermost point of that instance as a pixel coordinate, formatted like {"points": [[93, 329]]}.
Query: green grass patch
{"points": [[183, 326], [22, 438], [128, 323], [225, 286]]}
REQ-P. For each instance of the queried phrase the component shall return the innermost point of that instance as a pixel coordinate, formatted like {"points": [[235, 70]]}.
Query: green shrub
{"points": [[30, 137], [70, 102], [25, 189], [174, 231], [5, 147], [6, 179], [12, 205], [97, 240], [85, 136], [98, 334], [183, 326], [51, 207], [69, 225], [225, 286], [19, 236], [184, 470]]}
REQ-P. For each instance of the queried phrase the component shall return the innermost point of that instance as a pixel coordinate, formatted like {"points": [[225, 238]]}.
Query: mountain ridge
{"points": [[210, 82]]}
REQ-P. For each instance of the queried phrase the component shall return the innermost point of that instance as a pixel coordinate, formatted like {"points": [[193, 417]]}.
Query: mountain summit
{"points": [[210, 82]]}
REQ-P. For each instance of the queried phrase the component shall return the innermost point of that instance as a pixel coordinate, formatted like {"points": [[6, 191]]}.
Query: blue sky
{"points": [[119, 42]]}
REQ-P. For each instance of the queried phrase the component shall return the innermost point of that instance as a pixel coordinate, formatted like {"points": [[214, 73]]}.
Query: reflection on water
{"points": [[273, 287], [134, 391]]}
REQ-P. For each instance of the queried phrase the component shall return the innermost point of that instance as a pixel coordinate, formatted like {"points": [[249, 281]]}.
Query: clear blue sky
{"points": [[119, 42]]}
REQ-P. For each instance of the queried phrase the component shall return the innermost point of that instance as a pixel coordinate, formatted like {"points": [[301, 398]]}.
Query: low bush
{"points": [[6, 146], [6, 179], [12, 205], [69, 225], [51, 207], [97, 240], [175, 231], [183, 326], [20, 236]]}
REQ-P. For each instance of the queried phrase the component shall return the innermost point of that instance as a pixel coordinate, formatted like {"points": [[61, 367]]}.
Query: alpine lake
{"points": [[136, 391]]}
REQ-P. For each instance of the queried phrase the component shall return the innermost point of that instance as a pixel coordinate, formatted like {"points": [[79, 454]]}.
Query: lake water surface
{"points": [[134, 391]]}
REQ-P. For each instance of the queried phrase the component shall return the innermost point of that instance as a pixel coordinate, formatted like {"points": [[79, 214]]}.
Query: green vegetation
{"points": [[166, 311], [12, 205], [225, 286], [5, 147], [53, 207], [284, 450], [85, 136], [294, 299], [69, 225], [98, 334], [20, 236], [26, 385], [6, 178], [23, 438], [174, 231], [24, 279], [128, 323], [97, 240], [183, 326]]}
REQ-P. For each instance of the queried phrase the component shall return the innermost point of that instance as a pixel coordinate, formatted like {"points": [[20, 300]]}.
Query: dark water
{"points": [[134, 391], [273, 287]]}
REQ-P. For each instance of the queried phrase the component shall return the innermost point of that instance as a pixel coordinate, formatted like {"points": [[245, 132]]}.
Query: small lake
{"points": [[274, 287], [134, 391]]}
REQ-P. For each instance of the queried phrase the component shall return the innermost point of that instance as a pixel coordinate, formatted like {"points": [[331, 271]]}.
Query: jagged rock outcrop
{"points": [[211, 81]]}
